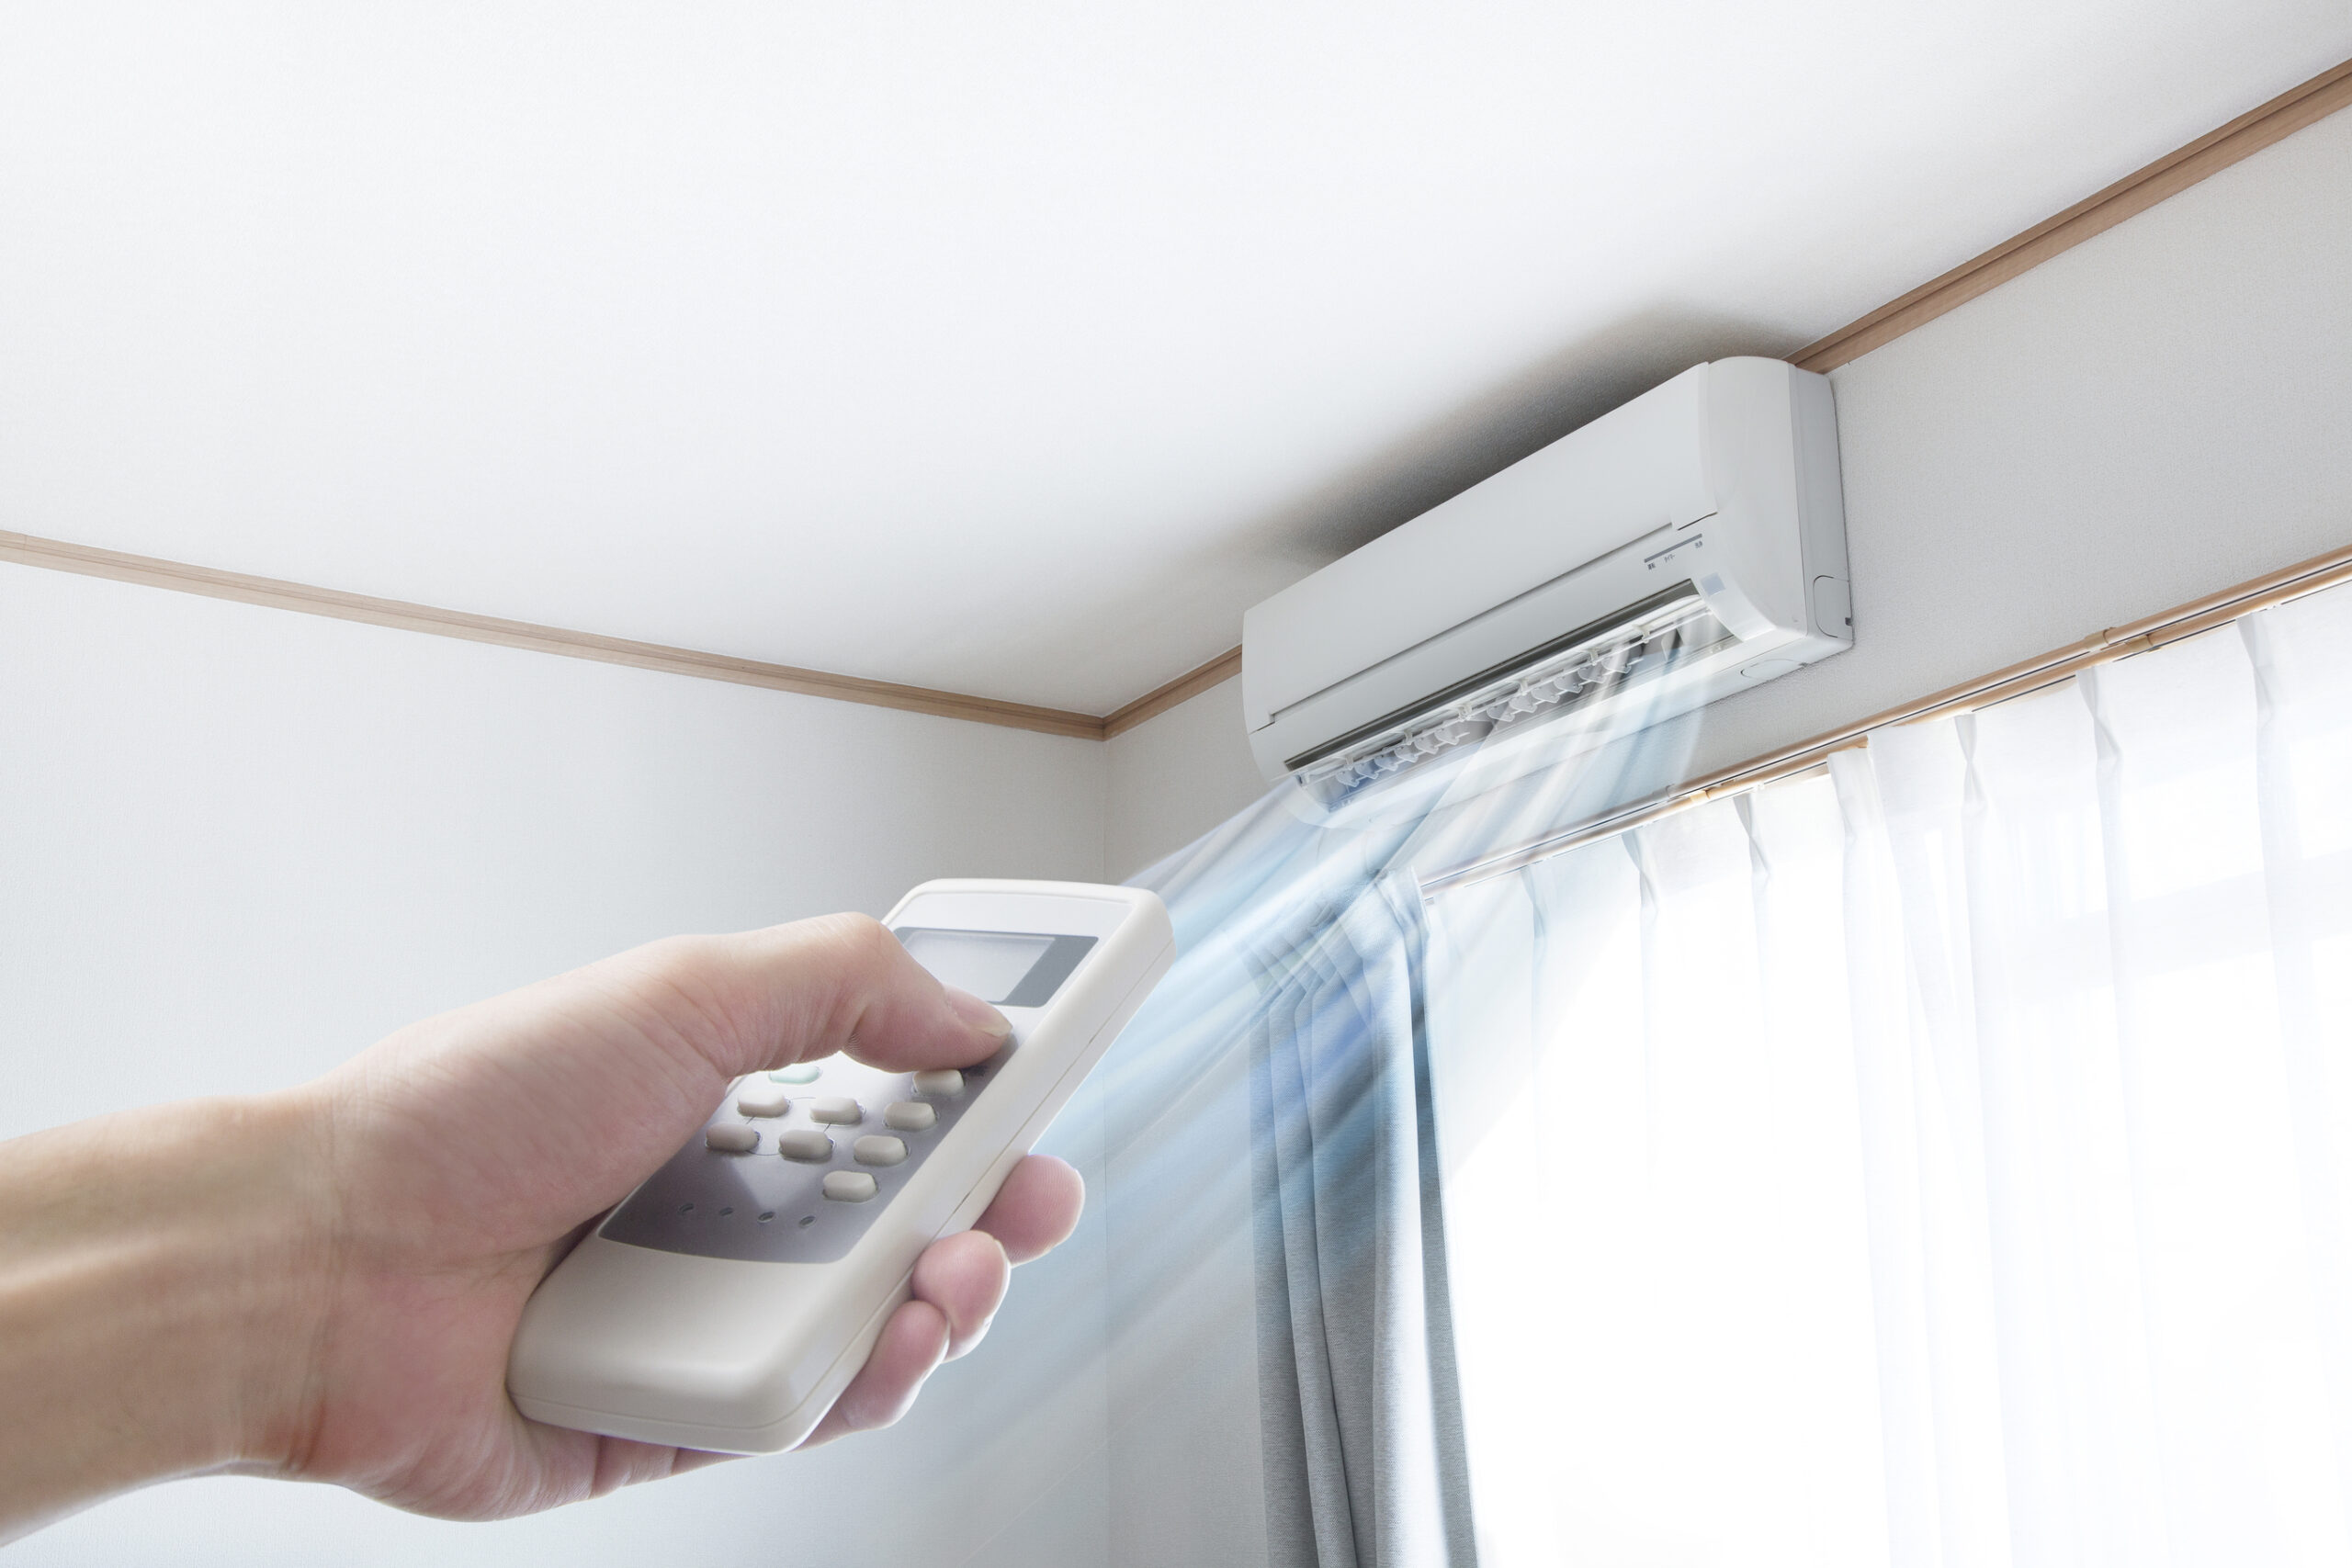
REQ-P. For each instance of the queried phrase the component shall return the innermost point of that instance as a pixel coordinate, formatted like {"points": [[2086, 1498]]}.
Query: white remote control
{"points": [[727, 1301]]}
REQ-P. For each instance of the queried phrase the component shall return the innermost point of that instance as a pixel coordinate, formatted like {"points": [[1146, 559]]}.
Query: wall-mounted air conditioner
{"points": [[1688, 545]]}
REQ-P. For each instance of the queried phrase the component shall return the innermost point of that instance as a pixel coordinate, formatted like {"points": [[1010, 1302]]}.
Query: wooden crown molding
{"points": [[1159, 699], [2169, 175], [88, 561], [2290, 111]]}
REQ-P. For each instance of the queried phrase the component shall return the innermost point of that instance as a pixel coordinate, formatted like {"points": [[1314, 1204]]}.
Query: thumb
{"points": [[843, 983]]}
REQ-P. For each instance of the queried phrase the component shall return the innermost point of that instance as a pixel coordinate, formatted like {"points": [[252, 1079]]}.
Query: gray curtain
{"points": [[1363, 1435]]}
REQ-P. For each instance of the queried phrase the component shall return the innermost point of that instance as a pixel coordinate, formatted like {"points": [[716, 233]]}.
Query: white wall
{"points": [[1175, 776], [237, 844], [1186, 1474], [2159, 412]]}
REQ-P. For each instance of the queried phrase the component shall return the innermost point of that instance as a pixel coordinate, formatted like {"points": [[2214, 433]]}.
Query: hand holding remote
{"points": [[323, 1283]]}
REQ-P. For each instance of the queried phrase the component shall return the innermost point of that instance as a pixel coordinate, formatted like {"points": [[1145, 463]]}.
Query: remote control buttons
{"points": [[803, 1142], [878, 1150], [909, 1116], [838, 1109], [799, 1072], [731, 1138], [848, 1186], [940, 1083], [759, 1099]]}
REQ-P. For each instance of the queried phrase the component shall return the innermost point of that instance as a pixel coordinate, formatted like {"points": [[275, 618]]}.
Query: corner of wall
{"points": [[1175, 776]]}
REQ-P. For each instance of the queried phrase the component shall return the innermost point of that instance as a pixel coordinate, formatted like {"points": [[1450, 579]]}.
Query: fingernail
{"points": [[979, 1014]]}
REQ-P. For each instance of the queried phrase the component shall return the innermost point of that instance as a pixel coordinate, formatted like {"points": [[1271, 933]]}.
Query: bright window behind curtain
{"points": [[1944, 1161]]}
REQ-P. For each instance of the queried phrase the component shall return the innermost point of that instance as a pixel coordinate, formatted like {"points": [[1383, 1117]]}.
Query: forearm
{"points": [[162, 1283]]}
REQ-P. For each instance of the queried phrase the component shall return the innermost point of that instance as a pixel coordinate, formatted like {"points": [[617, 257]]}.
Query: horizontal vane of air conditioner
{"points": [[1553, 683]]}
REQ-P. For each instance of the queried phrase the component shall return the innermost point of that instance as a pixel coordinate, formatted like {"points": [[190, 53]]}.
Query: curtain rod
{"points": [[2150, 632]]}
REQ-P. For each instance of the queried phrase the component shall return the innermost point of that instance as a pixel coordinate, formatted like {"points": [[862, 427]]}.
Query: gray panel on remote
{"points": [[760, 1207]]}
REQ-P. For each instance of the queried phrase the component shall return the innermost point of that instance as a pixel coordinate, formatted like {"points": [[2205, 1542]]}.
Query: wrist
{"points": [[164, 1281]]}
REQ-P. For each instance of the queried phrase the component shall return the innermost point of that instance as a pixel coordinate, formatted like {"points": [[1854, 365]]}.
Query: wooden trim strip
{"points": [[88, 561], [2191, 619], [2249, 133], [1158, 701]]}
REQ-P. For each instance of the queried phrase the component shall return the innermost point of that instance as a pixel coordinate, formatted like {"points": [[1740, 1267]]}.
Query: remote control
{"points": [[727, 1301]]}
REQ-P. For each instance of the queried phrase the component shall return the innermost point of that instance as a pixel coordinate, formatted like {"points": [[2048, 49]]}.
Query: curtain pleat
{"points": [[1363, 1451], [2293, 716]]}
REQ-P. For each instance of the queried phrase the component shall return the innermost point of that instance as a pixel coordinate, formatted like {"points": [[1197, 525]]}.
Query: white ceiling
{"points": [[1011, 348]]}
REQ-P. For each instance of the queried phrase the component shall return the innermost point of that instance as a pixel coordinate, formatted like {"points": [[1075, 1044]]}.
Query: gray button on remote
{"points": [[760, 1097], [878, 1150], [848, 1186], [803, 1142]]}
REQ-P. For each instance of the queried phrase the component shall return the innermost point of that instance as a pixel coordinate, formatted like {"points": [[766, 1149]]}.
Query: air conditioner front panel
{"points": [[1391, 636], [1613, 588], [1630, 473]]}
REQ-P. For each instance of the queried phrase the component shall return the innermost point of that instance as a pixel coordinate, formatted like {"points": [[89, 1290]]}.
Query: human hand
{"points": [[382, 1227]]}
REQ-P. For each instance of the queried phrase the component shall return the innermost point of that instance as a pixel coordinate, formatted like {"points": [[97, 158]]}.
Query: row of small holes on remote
{"points": [[766, 1215]]}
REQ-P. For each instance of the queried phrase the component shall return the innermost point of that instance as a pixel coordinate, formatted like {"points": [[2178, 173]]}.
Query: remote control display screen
{"points": [[1004, 968]]}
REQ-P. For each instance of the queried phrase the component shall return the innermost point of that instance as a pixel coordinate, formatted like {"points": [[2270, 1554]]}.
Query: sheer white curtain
{"points": [[1946, 1160]]}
